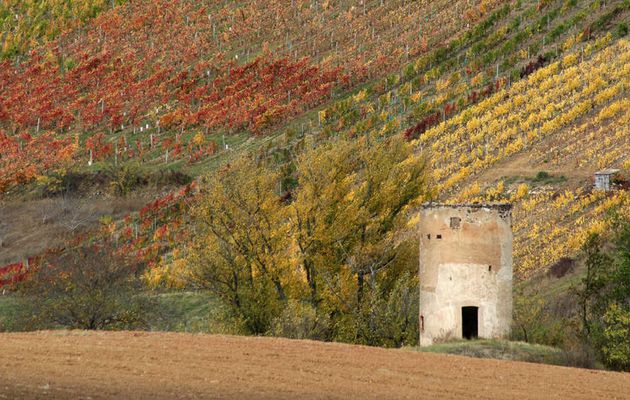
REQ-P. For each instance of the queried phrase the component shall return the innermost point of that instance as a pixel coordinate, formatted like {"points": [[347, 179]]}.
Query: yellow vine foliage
{"points": [[572, 113]]}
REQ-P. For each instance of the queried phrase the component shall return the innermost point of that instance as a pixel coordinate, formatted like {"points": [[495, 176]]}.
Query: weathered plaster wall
{"points": [[469, 264]]}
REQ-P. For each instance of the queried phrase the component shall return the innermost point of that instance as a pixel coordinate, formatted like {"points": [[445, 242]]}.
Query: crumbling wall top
{"points": [[490, 206]]}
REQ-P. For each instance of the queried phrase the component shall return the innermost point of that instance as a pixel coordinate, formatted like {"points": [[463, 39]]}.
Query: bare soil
{"points": [[522, 165], [30, 227], [139, 365]]}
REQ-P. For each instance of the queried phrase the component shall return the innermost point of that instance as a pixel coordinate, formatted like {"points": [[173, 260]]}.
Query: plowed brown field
{"points": [[138, 365]]}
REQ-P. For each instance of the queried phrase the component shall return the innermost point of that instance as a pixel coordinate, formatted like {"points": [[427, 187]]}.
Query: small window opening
{"points": [[429, 236], [439, 236], [455, 222], [489, 268]]}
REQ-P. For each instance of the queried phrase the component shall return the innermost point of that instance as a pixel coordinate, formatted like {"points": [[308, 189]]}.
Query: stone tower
{"points": [[465, 271]]}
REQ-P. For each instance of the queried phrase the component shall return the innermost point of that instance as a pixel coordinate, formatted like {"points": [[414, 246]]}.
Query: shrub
{"points": [[579, 354], [124, 178], [88, 287], [561, 267], [542, 175], [535, 322], [300, 320], [604, 295], [386, 318], [616, 348]]}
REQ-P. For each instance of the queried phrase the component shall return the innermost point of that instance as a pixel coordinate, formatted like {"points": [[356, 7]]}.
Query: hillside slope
{"points": [[491, 91], [158, 82], [58, 365], [555, 119], [26, 23]]}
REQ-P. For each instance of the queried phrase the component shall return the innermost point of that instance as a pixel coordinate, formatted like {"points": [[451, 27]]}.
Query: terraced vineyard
{"points": [[509, 44], [156, 82], [28, 23], [564, 109], [547, 103]]}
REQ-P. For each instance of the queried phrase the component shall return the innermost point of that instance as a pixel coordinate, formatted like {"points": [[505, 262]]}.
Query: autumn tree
{"points": [[604, 294], [238, 251], [87, 287], [350, 215], [340, 242]]}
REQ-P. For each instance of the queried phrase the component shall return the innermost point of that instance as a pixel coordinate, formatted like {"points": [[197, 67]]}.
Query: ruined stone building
{"points": [[603, 179], [465, 271]]}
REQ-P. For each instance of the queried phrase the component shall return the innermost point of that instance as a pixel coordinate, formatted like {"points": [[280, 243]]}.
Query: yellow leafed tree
{"points": [[336, 240]]}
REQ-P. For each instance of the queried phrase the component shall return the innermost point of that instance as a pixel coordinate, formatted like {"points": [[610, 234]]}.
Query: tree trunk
{"points": [[360, 285]]}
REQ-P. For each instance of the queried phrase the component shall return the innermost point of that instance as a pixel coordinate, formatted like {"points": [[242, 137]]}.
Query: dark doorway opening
{"points": [[470, 322]]}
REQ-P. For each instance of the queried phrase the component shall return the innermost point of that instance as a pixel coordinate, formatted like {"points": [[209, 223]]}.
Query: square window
{"points": [[455, 222], [439, 236]]}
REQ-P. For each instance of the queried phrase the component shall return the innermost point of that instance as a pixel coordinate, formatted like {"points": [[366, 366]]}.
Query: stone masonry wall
{"points": [[465, 260]]}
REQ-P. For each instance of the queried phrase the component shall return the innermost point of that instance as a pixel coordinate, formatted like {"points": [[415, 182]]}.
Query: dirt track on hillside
{"points": [[128, 365]]}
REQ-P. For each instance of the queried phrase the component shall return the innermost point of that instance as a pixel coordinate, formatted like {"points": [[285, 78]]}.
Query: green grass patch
{"points": [[188, 311], [541, 178], [500, 350], [8, 312], [177, 311]]}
